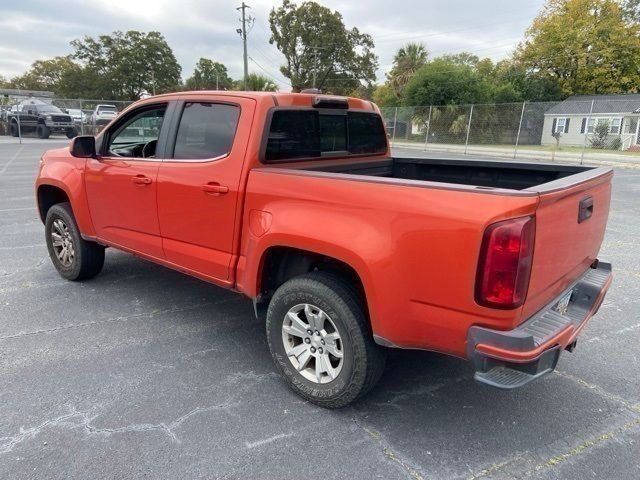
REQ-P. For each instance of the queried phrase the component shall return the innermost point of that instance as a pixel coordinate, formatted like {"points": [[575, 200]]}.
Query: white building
{"points": [[578, 116]]}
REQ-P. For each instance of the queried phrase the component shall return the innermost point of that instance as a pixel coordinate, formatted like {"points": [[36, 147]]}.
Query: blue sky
{"points": [[40, 29]]}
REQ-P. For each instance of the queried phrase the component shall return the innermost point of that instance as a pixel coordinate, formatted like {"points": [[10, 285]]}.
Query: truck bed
{"points": [[428, 208], [480, 173]]}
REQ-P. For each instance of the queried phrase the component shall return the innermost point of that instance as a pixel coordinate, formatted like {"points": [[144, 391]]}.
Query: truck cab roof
{"points": [[281, 99]]}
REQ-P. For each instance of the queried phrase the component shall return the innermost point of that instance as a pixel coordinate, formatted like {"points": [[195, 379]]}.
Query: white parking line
{"points": [[17, 209], [6, 165]]}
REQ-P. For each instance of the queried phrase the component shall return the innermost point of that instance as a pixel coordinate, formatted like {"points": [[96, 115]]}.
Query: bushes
{"points": [[600, 134], [615, 144]]}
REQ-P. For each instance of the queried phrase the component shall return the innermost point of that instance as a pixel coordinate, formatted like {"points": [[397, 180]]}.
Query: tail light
{"points": [[505, 263]]}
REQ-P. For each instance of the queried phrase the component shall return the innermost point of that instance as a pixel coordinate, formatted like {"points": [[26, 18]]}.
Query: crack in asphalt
{"points": [[123, 318], [7, 444], [597, 389], [582, 447], [388, 452]]}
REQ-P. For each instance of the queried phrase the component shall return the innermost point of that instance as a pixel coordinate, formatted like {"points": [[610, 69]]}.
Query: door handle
{"points": [[215, 188], [141, 180]]}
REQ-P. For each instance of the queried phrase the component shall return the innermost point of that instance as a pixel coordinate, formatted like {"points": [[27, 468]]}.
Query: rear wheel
{"points": [[319, 338], [14, 129], [73, 257], [43, 131]]}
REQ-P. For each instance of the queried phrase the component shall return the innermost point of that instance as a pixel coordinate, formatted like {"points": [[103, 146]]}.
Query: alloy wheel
{"points": [[62, 242], [312, 343]]}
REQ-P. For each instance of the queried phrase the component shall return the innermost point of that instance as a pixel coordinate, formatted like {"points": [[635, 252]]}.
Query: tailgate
{"points": [[571, 219]]}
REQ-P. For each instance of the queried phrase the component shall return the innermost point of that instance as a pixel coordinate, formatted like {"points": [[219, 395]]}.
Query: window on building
{"points": [[615, 124], [562, 125]]}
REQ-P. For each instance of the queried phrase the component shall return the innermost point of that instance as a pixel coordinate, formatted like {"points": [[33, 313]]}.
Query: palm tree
{"points": [[406, 63], [257, 83]]}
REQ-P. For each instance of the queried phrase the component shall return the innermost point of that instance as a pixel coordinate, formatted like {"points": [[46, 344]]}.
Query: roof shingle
{"points": [[581, 104]]}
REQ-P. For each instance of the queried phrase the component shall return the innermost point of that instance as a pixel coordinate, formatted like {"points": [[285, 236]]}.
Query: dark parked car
{"points": [[42, 118]]}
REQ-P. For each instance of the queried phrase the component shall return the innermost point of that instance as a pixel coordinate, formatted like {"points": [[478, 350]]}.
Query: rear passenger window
{"points": [[298, 134], [206, 130], [293, 134], [366, 133]]}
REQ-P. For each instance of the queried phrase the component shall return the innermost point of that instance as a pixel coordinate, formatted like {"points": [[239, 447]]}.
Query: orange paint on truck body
{"points": [[415, 245]]}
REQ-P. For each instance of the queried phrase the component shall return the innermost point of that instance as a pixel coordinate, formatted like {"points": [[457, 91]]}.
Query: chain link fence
{"points": [[570, 130], [579, 127]]}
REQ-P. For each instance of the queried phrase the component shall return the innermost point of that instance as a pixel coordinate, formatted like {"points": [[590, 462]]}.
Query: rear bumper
{"points": [[510, 359]]}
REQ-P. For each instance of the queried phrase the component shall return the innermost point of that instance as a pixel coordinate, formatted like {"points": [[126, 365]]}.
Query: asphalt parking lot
{"points": [[146, 373]]}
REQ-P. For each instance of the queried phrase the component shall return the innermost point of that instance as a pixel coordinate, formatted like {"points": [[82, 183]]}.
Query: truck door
{"points": [[121, 183], [200, 180]]}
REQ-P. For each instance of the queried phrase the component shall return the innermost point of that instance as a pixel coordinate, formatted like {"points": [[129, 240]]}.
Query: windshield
{"points": [[107, 109], [48, 109]]}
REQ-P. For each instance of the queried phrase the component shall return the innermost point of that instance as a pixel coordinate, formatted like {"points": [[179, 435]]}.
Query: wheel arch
{"points": [[49, 195], [279, 263]]}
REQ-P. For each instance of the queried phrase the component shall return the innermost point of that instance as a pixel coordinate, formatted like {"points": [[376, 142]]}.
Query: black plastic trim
{"points": [[538, 330]]}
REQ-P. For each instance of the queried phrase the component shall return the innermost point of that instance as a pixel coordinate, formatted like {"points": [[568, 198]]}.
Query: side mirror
{"points": [[83, 146]]}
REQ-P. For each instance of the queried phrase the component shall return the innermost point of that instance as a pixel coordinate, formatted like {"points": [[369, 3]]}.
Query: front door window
{"points": [[138, 136]]}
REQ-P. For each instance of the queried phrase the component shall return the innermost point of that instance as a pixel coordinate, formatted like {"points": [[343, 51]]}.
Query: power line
{"points": [[269, 74]]}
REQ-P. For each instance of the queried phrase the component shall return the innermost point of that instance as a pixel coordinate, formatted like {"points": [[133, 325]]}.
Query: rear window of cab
{"points": [[305, 134]]}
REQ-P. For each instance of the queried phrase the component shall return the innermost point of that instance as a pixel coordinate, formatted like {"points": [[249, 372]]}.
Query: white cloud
{"points": [[39, 29]]}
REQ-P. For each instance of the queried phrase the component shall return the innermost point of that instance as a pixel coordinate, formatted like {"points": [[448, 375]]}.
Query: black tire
{"points": [[71, 132], [14, 129], [88, 256], [43, 131], [363, 360]]}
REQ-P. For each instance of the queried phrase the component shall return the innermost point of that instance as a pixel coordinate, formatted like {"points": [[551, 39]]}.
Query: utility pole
{"points": [[315, 64], [153, 82], [243, 34]]}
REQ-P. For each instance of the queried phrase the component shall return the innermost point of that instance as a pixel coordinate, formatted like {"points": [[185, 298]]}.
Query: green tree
{"points": [[463, 58], [384, 96], [587, 45], [209, 75], [600, 134], [364, 91], [316, 44], [444, 82], [406, 62], [631, 10], [256, 83], [514, 83], [130, 63], [60, 75]]}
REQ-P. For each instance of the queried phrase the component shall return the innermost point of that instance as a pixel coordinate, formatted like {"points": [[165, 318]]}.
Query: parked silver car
{"points": [[103, 114]]}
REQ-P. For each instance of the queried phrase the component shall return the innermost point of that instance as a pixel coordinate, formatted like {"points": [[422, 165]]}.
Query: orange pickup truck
{"points": [[296, 201]]}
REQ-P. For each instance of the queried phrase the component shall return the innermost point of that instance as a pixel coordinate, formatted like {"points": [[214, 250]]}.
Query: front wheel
{"points": [[43, 131], [71, 132], [15, 131], [319, 338], [73, 257]]}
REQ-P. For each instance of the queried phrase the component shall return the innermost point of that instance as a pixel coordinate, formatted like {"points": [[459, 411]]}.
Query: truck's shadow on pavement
{"points": [[426, 407]]}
